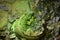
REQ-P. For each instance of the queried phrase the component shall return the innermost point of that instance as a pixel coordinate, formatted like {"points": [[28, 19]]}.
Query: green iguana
{"points": [[27, 26]]}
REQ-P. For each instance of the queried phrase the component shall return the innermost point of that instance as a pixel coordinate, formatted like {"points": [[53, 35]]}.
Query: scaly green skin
{"points": [[27, 25]]}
